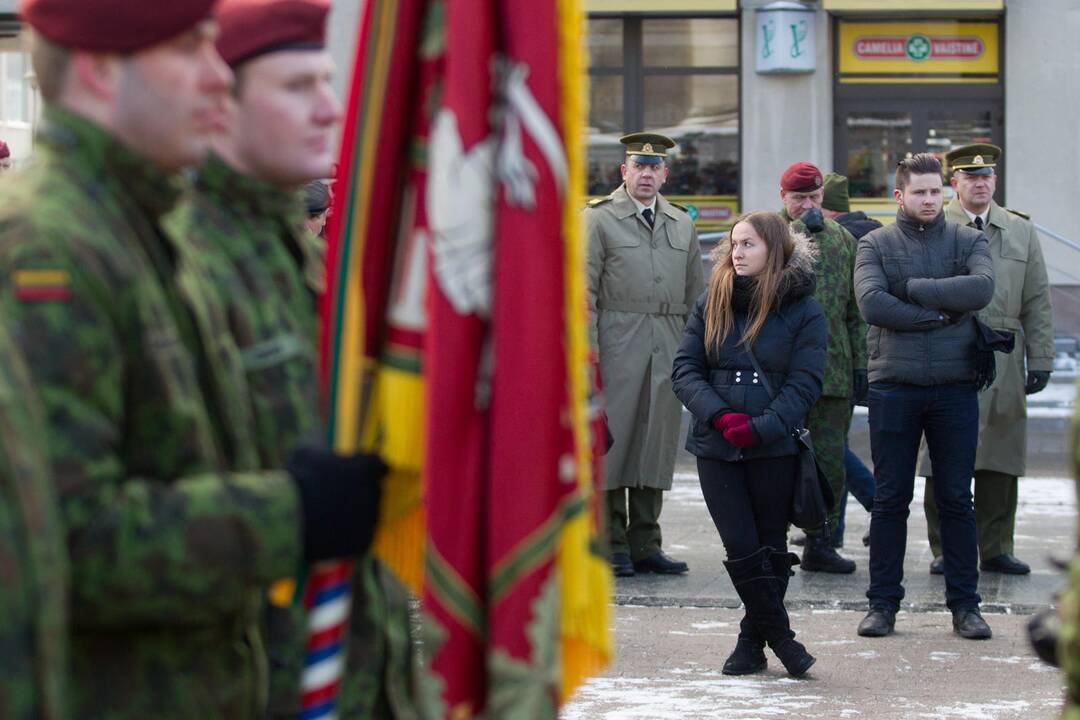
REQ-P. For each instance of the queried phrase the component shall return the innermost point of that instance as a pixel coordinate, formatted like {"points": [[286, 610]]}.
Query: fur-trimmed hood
{"points": [[799, 279]]}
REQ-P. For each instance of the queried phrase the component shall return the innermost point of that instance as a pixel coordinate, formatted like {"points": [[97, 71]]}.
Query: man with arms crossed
{"points": [[918, 282]]}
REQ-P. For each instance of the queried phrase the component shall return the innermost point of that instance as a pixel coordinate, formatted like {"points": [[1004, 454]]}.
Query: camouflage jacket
{"points": [[33, 562], [240, 240], [167, 549], [245, 248], [836, 293], [1068, 649]]}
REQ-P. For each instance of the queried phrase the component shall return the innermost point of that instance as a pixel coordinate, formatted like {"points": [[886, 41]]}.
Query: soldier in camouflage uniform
{"points": [[247, 247], [169, 549], [801, 190], [33, 562], [1068, 645]]}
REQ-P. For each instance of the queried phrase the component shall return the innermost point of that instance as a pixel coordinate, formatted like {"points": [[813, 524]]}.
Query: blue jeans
{"points": [[860, 483], [949, 416]]}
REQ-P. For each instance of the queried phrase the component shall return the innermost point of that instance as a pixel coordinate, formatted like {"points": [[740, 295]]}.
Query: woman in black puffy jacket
{"points": [[760, 296]]}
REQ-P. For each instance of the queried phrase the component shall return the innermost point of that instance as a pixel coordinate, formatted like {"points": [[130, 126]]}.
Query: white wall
{"points": [[1042, 129], [785, 118], [343, 28]]}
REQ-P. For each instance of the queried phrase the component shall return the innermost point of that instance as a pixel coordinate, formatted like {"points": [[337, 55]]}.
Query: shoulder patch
{"points": [[598, 201], [1017, 212], [41, 285]]}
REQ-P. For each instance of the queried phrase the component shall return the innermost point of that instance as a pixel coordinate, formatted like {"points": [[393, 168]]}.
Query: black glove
{"points": [[860, 385], [813, 220], [1043, 636], [1036, 381], [339, 495]]}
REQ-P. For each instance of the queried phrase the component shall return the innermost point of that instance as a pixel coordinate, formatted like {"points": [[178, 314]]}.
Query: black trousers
{"points": [[750, 501]]}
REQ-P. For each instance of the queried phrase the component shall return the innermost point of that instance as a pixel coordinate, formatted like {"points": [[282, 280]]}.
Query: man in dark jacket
{"points": [[918, 283]]}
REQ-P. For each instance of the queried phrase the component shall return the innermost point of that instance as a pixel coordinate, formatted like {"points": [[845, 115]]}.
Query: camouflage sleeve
{"points": [[1068, 646], [147, 550], [856, 327]]}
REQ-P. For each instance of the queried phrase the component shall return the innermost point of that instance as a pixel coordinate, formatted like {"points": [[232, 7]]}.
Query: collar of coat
{"points": [[103, 162], [954, 212], [624, 206]]}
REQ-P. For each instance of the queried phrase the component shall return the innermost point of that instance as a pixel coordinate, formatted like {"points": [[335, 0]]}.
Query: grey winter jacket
{"points": [[917, 286]]}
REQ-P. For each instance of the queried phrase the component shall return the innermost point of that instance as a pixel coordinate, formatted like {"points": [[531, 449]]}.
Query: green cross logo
{"points": [[918, 47], [692, 211]]}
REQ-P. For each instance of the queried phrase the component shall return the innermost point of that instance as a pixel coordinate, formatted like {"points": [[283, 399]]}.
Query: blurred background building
{"points": [[748, 86]]}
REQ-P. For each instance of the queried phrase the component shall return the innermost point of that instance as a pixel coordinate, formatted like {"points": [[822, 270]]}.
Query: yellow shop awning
{"points": [[632, 6], [890, 6]]}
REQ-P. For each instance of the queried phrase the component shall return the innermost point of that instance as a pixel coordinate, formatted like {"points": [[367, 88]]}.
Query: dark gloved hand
{"points": [[725, 420], [860, 385], [813, 220], [741, 434], [1036, 381], [1043, 636], [339, 495]]}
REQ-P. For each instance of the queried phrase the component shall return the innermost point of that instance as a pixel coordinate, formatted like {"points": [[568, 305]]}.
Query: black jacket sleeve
{"points": [[805, 377], [690, 371]]}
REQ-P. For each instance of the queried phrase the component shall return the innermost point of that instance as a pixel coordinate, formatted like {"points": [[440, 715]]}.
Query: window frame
{"points": [[633, 71]]}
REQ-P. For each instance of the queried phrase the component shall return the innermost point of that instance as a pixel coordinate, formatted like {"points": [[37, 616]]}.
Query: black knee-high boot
{"points": [[749, 653], [759, 586]]}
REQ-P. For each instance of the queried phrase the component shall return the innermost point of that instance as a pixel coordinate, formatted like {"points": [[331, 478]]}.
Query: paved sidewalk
{"points": [[668, 668], [673, 633]]}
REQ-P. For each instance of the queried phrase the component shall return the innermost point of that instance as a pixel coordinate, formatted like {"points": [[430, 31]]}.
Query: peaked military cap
{"points": [[250, 28], [977, 159], [648, 148], [113, 26]]}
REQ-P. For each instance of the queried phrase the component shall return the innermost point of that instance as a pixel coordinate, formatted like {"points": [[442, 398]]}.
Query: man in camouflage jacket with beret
{"points": [[247, 249], [168, 548], [801, 190]]}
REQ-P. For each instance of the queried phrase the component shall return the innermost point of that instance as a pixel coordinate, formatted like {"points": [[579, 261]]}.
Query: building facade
{"points": [[747, 87]]}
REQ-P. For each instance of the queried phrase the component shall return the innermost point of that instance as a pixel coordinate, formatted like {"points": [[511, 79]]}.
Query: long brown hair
{"points": [[719, 314]]}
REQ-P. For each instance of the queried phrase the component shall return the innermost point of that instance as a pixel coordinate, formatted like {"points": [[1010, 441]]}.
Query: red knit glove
{"points": [[725, 420], [741, 434]]}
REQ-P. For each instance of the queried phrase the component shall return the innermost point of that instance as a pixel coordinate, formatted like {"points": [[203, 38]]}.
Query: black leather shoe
{"points": [[1007, 564], [621, 565], [879, 622], [969, 624], [937, 565], [819, 557], [662, 564]]}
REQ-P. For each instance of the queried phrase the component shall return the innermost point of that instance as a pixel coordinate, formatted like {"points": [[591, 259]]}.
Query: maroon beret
{"points": [[5, 151], [249, 28], [113, 26], [801, 177]]}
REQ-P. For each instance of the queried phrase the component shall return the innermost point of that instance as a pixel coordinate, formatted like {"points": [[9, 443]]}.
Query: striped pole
{"points": [[328, 601]]}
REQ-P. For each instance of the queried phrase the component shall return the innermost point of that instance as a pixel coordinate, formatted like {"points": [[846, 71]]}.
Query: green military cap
{"points": [[648, 148], [977, 159], [836, 193]]}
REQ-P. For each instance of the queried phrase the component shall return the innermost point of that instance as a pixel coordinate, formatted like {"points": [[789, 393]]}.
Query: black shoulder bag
{"points": [[812, 497]]}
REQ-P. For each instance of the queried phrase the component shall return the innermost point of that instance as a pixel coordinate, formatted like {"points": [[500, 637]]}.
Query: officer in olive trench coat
{"points": [[644, 274], [1021, 305]]}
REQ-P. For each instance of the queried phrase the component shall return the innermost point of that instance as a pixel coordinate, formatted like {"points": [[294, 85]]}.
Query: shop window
{"points": [[675, 76]]}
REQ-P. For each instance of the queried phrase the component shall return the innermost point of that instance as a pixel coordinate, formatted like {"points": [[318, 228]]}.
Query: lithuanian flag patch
{"points": [[39, 285]]}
